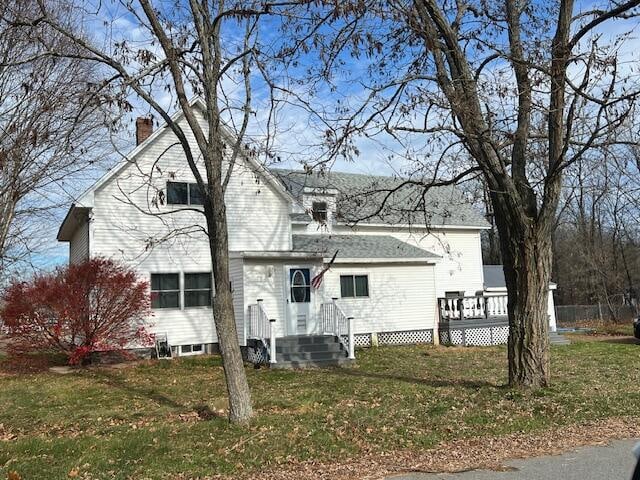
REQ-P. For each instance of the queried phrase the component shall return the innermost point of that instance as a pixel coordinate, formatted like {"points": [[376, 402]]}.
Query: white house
{"points": [[400, 272]]}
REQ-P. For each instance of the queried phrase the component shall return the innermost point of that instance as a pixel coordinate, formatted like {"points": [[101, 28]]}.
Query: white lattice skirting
{"points": [[255, 352], [481, 336]]}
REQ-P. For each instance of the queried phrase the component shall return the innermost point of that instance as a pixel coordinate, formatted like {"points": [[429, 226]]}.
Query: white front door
{"points": [[299, 302]]}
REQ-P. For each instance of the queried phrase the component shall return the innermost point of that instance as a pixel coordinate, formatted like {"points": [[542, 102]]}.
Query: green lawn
{"points": [[161, 419]]}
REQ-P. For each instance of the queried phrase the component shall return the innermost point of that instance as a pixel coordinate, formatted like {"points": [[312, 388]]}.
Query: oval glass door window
{"points": [[300, 287]]}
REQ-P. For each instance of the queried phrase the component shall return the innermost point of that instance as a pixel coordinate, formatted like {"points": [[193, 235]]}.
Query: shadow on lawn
{"points": [[203, 412], [436, 383], [624, 340]]}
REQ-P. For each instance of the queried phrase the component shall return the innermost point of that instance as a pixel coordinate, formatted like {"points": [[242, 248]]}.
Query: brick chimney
{"points": [[144, 128]]}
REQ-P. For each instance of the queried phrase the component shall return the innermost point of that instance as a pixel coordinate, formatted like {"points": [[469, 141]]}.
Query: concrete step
{"points": [[309, 351], [306, 340], [312, 356], [341, 362], [309, 347], [556, 339]]}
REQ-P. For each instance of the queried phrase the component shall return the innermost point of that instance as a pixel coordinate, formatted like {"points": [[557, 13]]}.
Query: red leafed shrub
{"points": [[99, 305]]}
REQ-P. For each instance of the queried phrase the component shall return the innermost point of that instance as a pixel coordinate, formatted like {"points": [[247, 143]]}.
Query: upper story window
{"points": [[165, 290], [182, 193], [352, 286], [319, 212], [197, 290]]}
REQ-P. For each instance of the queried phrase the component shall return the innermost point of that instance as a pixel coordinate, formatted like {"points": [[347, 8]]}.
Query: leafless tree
{"points": [[596, 244], [525, 88], [194, 48], [49, 123]]}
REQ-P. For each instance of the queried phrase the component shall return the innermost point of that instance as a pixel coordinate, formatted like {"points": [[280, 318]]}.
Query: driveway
{"points": [[611, 462]]}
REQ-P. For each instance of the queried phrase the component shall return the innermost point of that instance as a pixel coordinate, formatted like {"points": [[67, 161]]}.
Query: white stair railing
{"points": [[261, 327], [335, 322]]}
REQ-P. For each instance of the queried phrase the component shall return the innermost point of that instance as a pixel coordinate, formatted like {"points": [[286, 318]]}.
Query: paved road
{"points": [[612, 462]]}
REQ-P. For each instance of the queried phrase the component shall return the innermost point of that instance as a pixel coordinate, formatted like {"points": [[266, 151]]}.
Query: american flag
{"points": [[317, 280]]}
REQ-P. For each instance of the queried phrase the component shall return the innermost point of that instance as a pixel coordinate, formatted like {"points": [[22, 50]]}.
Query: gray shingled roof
{"points": [[494, 277], [360, 197], [300, 217], [358, 246]]}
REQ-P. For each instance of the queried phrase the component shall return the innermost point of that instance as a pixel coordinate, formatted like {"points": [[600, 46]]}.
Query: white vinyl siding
{"points": [[79, 244], [401, 297], [124, 228], [236, 274], [459, 269], [265, 279]]}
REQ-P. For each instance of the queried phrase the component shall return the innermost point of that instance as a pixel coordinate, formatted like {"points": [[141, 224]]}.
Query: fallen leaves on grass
{"points": [[459, 455], [5, 434]]}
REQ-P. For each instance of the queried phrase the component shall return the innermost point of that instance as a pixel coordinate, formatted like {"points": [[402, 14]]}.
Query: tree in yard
{"points": [[210, 49], [522, 89], [51, 123], [98, 305], [596, 243]]}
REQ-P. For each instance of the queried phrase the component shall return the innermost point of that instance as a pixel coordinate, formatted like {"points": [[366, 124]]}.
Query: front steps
{"points": [[310, 351], [556, 339]]}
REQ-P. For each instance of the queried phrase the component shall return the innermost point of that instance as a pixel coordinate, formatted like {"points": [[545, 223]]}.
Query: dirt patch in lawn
{"points": [[469, 454]]}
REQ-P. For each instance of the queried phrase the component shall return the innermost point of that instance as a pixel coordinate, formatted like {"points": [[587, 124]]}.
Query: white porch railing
{"points": [[335, 322], [460, 308], [260, 327]]}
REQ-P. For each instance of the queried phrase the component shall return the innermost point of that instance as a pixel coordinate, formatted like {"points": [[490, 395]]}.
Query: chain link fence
{"points": [[576, 314]]}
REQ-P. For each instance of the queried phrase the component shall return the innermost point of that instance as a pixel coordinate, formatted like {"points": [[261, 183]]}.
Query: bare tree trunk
{"points": [[493, 255], [527, 267], [240, 409]]}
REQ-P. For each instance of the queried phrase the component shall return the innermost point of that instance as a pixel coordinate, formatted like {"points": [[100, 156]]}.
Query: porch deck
{"points": [[478, 321]]}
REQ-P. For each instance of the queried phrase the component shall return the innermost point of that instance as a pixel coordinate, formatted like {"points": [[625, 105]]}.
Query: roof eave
{"points": [[71, 222], [419, 260], [409, 225]]}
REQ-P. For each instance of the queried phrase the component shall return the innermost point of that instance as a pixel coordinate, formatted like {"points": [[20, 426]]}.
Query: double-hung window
{"points": [[354, 286], [165, 290], [182, 193], [197, 290]]}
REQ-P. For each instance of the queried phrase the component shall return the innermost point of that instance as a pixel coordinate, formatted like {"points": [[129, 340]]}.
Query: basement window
{"points": [[196, 349], [319, 212], [354, 286], [182, 193]]}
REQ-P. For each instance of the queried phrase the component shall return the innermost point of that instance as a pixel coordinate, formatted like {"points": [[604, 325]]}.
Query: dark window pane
{"points": [[197, 281], [319, 211], [165, 300], [185, 349], [197, 298], [362, 286], [300, 294], [165, 281], [195, 197], [177, 193], [346, 286], [197, 348]]}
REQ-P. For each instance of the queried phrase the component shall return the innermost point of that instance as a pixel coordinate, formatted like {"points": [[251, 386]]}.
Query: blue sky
{"points": [[299, 131]]}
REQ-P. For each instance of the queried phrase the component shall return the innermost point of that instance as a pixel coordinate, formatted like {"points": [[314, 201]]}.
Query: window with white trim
{"points": [[165, 290], [182, 193], [319, 212], [354, 286], [197, 290], [195, 349]]}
